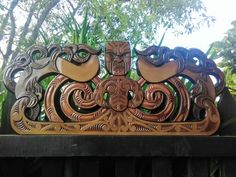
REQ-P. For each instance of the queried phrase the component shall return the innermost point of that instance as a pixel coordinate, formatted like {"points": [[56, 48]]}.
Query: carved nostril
{"points": [[117, 59]]}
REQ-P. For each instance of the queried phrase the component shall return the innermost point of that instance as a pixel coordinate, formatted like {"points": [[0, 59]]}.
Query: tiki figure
{"points": [[118, 92]]}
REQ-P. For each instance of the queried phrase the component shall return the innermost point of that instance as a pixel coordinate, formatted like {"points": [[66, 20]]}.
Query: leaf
{"points": [[84, 29], [3, 95]]}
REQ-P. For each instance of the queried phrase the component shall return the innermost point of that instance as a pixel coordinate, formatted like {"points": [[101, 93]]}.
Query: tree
{"points": [[225, 51], [27, 22], [92, 22], [9, 30]]}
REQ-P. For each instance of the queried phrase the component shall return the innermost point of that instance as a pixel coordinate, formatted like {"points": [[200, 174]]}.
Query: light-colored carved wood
{"points": [[159, 74], [82, 73]]}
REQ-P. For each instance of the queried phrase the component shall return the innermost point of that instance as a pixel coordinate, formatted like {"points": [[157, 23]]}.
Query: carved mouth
{"points": [[119, 103], [118, 67]]}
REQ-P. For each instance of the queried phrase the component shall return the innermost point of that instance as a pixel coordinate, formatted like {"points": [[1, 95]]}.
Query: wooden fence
{"points": [[159, 120]]}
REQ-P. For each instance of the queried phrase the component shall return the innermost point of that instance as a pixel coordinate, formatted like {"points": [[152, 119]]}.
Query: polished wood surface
{"points": [[172, 95]]}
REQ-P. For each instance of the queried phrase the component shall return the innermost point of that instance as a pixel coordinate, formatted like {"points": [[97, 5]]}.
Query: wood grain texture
{"points": [[172, 94]]}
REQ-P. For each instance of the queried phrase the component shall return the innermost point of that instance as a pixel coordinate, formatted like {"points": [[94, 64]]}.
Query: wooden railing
{"points": [[90, 121]]}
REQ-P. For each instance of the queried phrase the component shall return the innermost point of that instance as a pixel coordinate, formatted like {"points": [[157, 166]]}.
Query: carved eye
{"points": [[106, 96], [82, 54], [153, 56], [112, 56], [124, 56], [131, 95], [196, 61]]}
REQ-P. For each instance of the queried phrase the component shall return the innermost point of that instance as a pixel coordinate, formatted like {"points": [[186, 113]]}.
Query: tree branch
{"points": [[5, 20], [4, 7], [3, 55], [25, 29], [74, 9], [71, 5], [42, 18], [11, 40]]}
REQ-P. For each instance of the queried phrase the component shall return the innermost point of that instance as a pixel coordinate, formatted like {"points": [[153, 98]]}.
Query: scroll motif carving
{"points": [[173, 93]]}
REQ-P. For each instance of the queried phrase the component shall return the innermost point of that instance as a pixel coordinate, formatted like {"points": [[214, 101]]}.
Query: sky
{"points": [[224, 12]]}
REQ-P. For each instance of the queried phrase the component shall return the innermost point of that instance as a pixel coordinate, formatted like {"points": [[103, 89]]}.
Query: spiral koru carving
{"points": [[169, 93]]}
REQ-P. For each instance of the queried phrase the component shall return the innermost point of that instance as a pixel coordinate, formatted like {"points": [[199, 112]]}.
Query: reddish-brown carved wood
{"points": [[79, 101]]}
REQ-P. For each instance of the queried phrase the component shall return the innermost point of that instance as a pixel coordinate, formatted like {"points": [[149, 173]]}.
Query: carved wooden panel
{"points": [[172, 93]]}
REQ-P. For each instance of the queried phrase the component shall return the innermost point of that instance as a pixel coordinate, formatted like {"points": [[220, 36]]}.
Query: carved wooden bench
{"points": [[171, 91]]}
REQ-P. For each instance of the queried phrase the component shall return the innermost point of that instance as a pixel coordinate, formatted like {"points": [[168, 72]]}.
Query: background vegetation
{"points": [[93, 22], [225, 52], [26, 22]]}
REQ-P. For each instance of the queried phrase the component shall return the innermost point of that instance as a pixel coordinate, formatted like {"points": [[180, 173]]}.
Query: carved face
{"points": [[118, 58], [118, 90]]}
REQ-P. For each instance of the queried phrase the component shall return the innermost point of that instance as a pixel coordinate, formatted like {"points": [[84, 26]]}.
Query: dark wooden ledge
{"points": [[68, 146]]}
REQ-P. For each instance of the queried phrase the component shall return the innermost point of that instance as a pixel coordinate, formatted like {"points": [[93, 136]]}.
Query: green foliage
{"points": [[135, 21], [225, 52], [44, 83], [3, 94], [188, 84], [132, 74], [95, 21], [92, 22], [78, 33], [230, 78]]}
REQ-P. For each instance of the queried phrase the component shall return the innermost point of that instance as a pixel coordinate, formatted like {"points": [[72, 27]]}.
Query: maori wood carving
{"points": [[169, 93]]}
